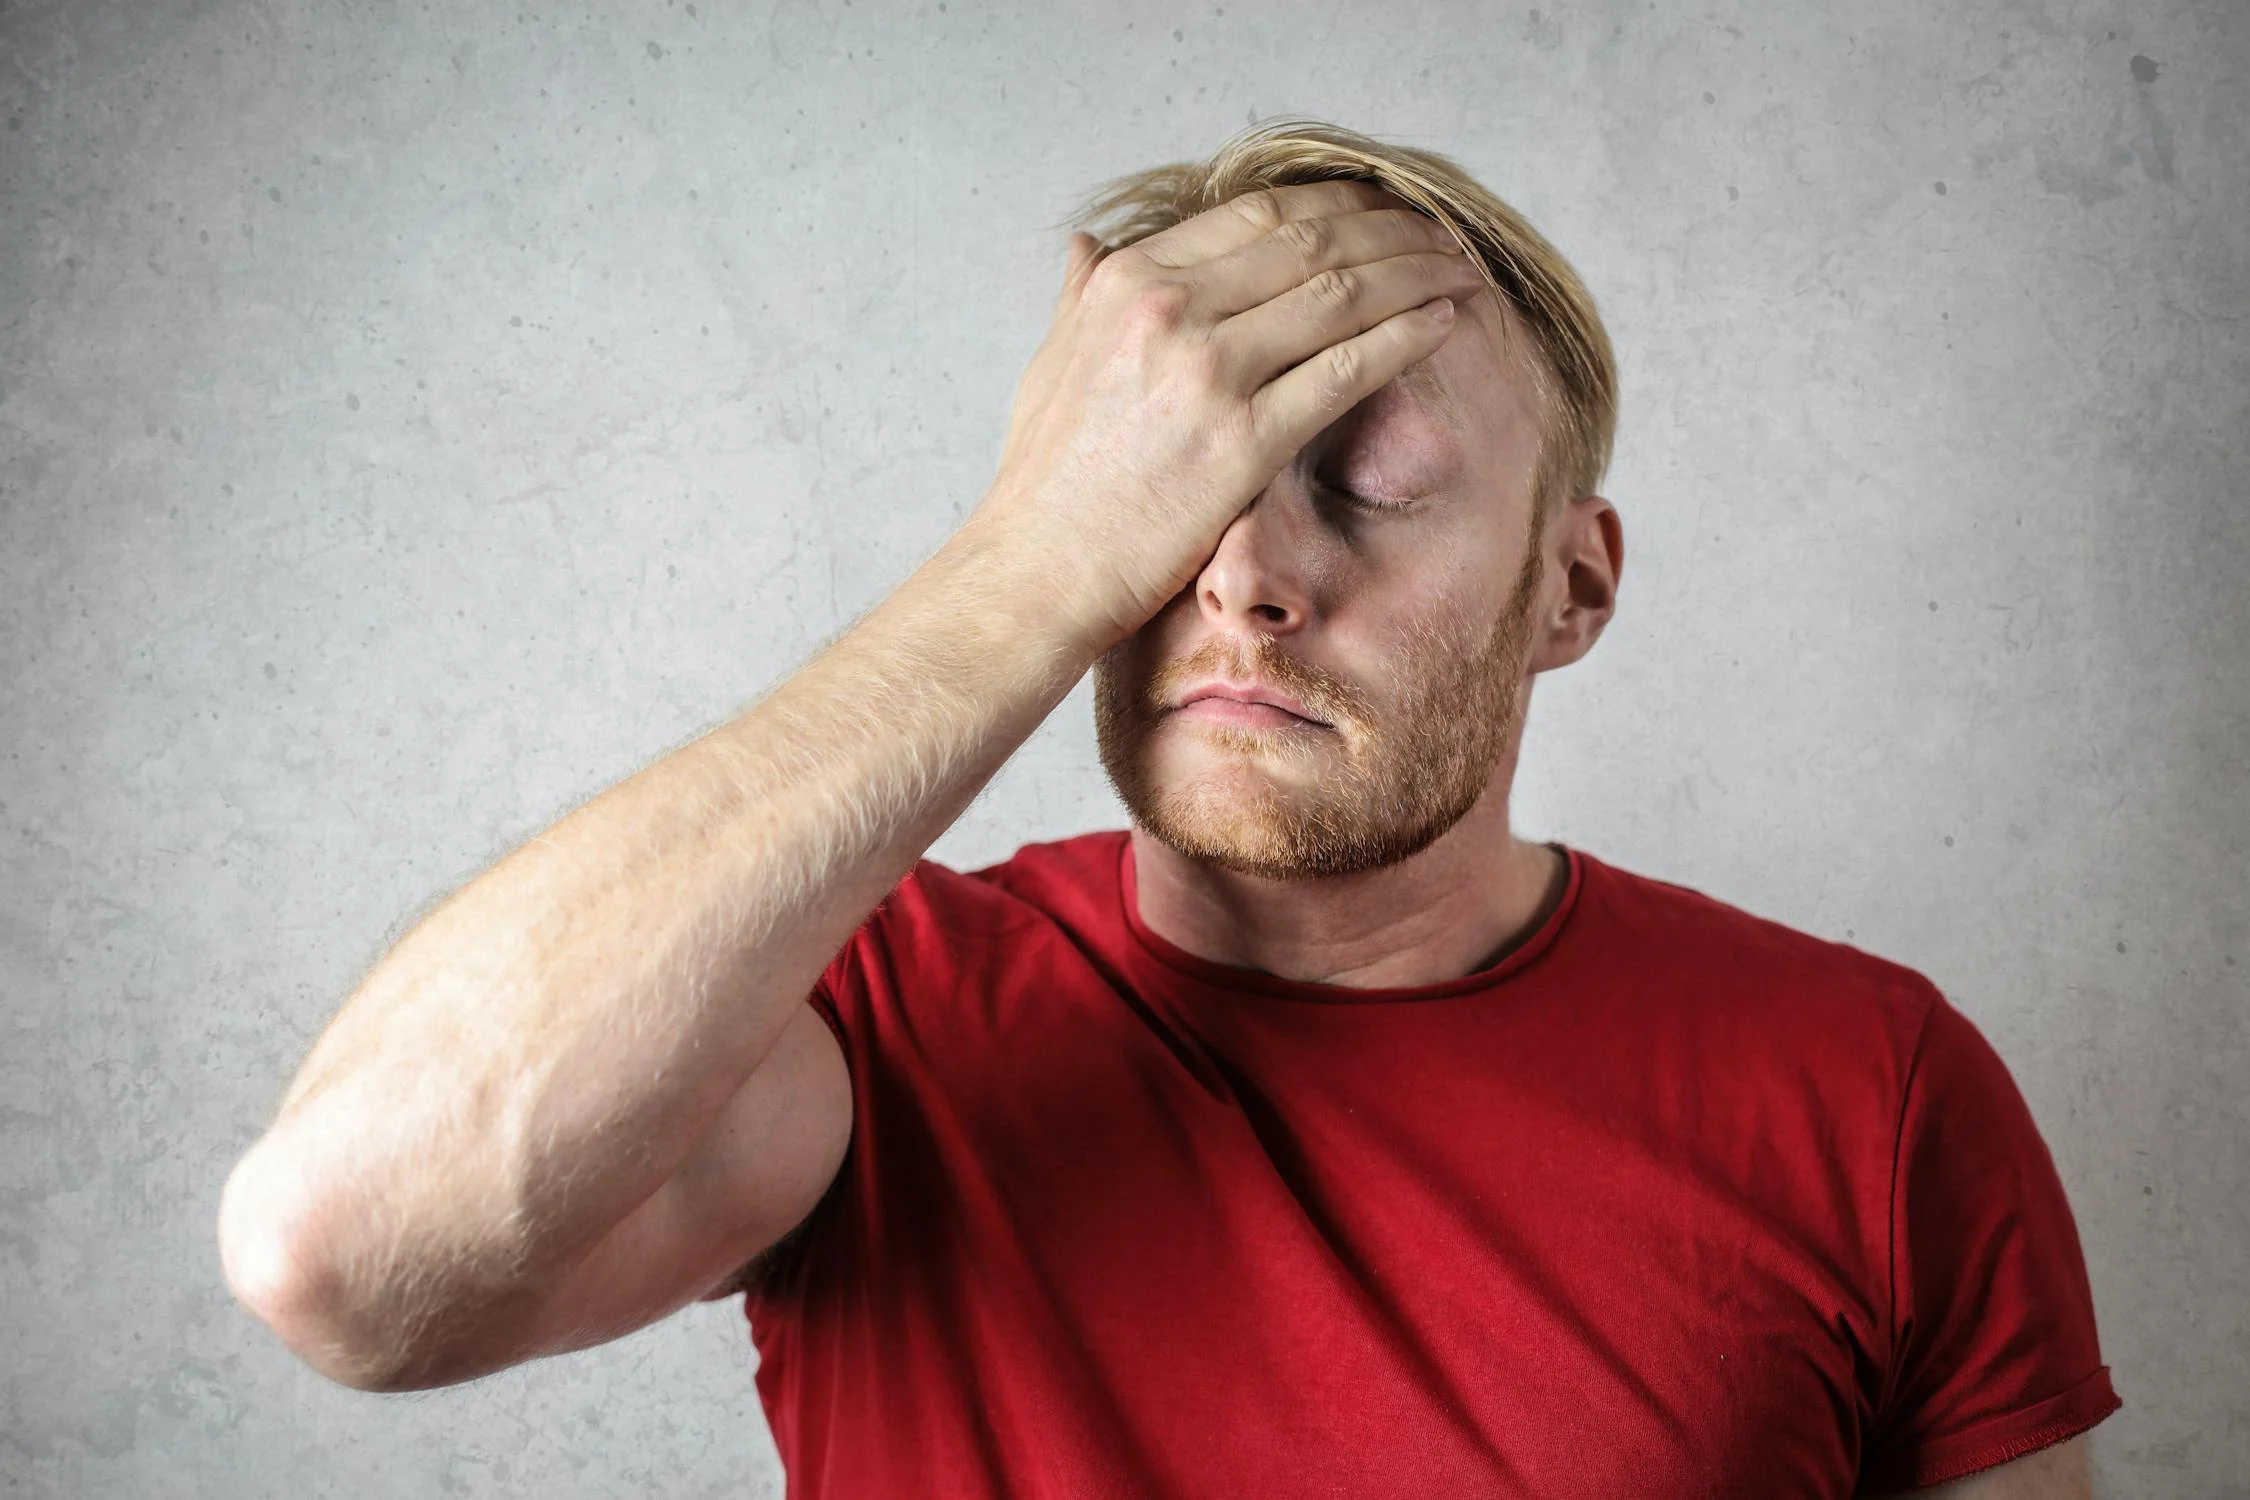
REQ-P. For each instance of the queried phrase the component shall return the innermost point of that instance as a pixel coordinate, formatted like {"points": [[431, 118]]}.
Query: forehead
{"points": [[1471, 380], [1472, 402]]}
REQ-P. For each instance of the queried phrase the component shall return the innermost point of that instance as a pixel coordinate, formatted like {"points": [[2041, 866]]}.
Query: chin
{"points": [[1223, 772], [1184, 746], [1244, 813]]}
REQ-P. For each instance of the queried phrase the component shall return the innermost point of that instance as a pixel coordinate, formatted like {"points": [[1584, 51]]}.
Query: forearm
{"points": [[541, 1052]]}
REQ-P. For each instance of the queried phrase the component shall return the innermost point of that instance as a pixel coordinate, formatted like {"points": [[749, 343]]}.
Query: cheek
{"points": [[1168, 633], [1138, 656], [1434, 567], [1405, 641]]}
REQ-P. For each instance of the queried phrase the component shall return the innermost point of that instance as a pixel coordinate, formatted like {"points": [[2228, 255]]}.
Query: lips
{"points": [[1239, 703]]}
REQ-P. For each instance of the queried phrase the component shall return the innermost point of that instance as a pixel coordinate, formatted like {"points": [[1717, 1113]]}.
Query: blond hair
{"points": [[1574, 371]]}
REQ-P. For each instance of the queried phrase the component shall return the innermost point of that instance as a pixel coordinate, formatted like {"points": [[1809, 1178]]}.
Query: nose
{"points": [[1255, 580]]}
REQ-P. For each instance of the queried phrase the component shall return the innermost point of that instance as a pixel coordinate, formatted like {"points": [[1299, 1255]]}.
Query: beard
{"points": [[1299, 802]]}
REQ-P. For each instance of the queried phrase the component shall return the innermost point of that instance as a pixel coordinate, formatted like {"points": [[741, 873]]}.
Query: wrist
{"points": [[1048, 592]]}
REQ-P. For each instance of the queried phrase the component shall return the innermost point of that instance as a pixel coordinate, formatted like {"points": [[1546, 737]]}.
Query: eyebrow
{"points": [[1421, 382], [1441, 408]]}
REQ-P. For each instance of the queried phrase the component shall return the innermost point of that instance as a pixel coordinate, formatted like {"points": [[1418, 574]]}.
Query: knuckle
{"points": [[1308, 239], [1116, 269], [1161, 305], [1336, 287], [1260, 208], [1345, 364]]}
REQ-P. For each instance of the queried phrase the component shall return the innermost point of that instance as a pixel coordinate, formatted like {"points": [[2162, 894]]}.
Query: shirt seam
{"points": [[1896, 1353]]}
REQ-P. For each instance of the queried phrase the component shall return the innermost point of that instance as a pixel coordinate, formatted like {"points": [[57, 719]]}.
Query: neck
{"points": [[1460, 905]]}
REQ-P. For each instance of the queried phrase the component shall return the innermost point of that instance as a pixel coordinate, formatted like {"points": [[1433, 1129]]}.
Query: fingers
{"points": [[1251, 216], [1289, 412], [1301, 249], [1335, 305]]}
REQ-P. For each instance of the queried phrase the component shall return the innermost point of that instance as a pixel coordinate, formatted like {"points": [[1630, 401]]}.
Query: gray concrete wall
{"points": [[415, 418]]}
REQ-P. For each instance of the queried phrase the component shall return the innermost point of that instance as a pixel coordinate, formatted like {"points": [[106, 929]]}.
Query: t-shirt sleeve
{"points": [[1993, 1350], [838, 987], [839, 994], [841, 991]]}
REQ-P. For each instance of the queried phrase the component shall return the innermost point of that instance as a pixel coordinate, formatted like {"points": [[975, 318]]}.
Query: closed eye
{"points": [[1366, 502], [1370, 503]]}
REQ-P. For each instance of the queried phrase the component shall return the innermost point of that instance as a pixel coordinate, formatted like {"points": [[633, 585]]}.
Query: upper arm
{"points": [[758, 1172], [767, 1159], [2056, 1472], [1993, 1349]]}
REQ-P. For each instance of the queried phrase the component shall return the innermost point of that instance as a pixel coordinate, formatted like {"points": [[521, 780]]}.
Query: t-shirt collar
{"points": [[1155, 953]]}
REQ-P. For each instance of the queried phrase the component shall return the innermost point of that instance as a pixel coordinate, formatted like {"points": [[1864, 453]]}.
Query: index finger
{"points": [[1244, 219]]}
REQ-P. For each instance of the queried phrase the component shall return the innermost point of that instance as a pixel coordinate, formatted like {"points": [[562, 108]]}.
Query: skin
{"points": [[1304, 851]]}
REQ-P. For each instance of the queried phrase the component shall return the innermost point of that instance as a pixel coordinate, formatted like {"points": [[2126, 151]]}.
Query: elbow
{"points": [[274, 1268]]}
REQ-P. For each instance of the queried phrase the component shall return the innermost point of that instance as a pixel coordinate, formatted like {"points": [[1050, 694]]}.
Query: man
{"points": [[1315, 1135]]}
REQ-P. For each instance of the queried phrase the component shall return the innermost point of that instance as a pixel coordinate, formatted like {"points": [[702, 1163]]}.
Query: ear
{"points": [[1586, 545]]}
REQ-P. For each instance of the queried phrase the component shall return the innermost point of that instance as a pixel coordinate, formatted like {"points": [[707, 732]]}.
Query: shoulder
{"points": [[939, 919], [952, 960], [1720, 947]]}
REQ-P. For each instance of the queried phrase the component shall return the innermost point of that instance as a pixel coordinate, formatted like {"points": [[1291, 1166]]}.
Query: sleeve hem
{"points": [[1953, 1455], [826, 1007]]}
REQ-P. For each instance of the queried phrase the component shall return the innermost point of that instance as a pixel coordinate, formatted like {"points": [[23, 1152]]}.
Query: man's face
{"points": [[1403, 634]]}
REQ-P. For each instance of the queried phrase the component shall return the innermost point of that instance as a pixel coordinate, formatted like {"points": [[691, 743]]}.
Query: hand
{"points": [[1183, 371]]}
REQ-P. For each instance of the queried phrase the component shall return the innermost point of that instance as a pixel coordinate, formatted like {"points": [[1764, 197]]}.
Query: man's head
{"points": [[1394, 578]]}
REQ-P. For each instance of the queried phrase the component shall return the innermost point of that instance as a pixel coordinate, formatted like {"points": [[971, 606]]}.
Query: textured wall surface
{"points": [[415, 418]]}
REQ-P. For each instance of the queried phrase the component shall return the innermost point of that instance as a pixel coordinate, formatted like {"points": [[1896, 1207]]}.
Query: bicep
{"points": [[758, 1172]]}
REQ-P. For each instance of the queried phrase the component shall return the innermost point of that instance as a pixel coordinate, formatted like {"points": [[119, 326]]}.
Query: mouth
{"points": [[1246, 709]]}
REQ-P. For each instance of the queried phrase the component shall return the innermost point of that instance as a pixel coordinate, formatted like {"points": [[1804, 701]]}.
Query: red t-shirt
{"points": [[1671, 1201]]}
